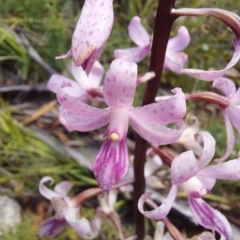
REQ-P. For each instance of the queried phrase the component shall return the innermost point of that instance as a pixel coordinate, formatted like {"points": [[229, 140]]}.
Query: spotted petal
{"points": [[229, 170], [74, 121], [75, 105], [225, 85], [157, 133], [57, 82], [120, 84], [184, 166], [163, 112], [92, 30]]}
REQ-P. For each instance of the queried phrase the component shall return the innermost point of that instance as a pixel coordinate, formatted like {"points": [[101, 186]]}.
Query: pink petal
{"points": [[135, 54], [210, 218], [96, 74], [234, 115], [227, 171], [225, 85], [212, 75], [163, 210], [230, 137], [72, 89], [120, 84], [89, 62], [63, 188], [56, 81], [92, 30], [82, 226], [52, 227], [138, 33], [118, 124], [208, 182], [163, 112], [179, 42], [75, 105], [145, 77], [74, 121], [175, 61], [80, 75], [184, 166], [157, 133], [46, 192], [208, 151], [68, 54], [111, 164]]}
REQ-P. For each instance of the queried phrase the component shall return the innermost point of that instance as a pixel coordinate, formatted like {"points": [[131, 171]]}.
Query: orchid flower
{"points": [[197, 180], [66, 212], [112, 162], [232, 20], [174, 60], [92, 31], [82, 87]]}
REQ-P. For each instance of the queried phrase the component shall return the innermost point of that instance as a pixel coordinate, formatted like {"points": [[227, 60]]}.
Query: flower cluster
{"points": [[197, 179], [159, 123]]}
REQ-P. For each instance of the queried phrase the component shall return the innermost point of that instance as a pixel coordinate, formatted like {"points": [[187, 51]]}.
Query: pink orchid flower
{"points": [[174, 60], [81, 88], [197, 180], [112, 162], [232, 20], [66, 212], [92, 31]]}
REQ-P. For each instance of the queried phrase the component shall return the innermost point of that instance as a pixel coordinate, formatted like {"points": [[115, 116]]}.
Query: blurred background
{"points": [[33, 143]]}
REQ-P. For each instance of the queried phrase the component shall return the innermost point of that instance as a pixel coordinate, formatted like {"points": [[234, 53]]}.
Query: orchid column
{"points": [[162, 29]]}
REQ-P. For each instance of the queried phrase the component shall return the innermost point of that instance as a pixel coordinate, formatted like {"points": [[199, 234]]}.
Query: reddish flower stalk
{"points": [[162, 29], [211, 97]]}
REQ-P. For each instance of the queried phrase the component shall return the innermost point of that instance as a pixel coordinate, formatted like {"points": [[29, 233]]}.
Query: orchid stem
{"points": [[161, 33], [92, 192]]}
